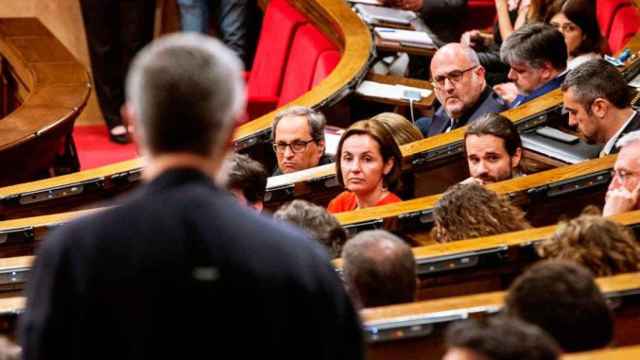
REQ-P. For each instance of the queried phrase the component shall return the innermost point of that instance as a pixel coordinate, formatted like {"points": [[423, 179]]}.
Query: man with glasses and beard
{"points": [[461, 89], [298, 140], [493, 149], [624, 191]]}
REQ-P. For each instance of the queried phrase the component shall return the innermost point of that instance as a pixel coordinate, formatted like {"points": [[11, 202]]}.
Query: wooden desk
{"points": [[415, 330], [396, 47], [623, 353]]}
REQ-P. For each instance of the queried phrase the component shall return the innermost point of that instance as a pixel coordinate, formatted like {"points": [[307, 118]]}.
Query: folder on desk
{"points": [[377, 14], [369, 2], [408, 37], [388, 91]]}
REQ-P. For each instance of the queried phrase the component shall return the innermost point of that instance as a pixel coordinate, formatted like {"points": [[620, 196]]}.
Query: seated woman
{"points": [[576, 20], [368, 164], [469, 210], [601, 245]]}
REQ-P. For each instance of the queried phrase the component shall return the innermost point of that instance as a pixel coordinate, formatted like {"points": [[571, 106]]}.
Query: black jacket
{"points": [[179, 271]]}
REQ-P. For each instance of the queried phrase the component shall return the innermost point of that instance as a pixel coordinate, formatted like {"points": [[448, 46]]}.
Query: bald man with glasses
{"points": [[624, 190], [461, 89]]}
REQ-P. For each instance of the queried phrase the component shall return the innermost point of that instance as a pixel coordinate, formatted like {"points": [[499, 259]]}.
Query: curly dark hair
{"points": [[601, 245], [470, 210]]}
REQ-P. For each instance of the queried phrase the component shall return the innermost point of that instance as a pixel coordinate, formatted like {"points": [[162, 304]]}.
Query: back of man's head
{"points": [[498, 338], [379, 269], [185, 91], [536, 45], [316, 221], [563, 299], [598, 79], [247, 177]]}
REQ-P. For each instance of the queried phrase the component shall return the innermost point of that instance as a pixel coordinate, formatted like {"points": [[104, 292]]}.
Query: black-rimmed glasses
{"points": [[295, 146], [454, 76]]}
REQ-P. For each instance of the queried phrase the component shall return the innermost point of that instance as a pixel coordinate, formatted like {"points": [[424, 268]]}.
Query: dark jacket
{"points": [[633, 125], [488, 102], [179, 271]]}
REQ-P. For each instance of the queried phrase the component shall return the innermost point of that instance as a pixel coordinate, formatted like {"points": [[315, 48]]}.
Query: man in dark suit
{"points": [[598, 101], [461, 89], [179, 270]]}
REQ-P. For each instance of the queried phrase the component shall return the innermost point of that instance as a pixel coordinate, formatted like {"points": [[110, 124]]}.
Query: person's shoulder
{"points": [[390, 199]]}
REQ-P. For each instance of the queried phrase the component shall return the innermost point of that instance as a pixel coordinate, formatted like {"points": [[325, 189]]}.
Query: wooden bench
{"points": [[52, 88], [623, 353], [415, 330]]}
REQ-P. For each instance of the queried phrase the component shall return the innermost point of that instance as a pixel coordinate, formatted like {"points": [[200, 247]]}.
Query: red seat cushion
{"points": [[281, 21], [606, 11], [309, 43], [327, 61], [626, 22]]}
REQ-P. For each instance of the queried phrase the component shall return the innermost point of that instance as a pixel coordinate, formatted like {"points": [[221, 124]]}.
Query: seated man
{"points": [[316, 221], [598, 101], [498, 338], [461, 89], [493, 149], [298, 139], [246, 180], [537, 55], [624, 191], [378, 269], [563, 299]]}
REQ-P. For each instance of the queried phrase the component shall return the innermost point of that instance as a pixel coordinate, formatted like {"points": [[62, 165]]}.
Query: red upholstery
{"points": [[480, 14], [626, 22], [309, 43], [605, 12], [327, 61], [280, 23]]}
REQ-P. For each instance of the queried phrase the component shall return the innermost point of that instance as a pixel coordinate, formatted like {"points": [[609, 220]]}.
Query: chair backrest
{"points": [[308, 45], [606, 11], [327, 61], [626, 22], [281, 22]]}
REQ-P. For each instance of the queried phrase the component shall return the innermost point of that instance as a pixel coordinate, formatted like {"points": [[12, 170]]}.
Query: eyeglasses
{"points": [[296, 146], [622, 175], [565, 28], [454, 76]]}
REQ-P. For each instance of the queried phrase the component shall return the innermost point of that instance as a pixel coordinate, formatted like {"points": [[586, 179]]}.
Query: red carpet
{"points": [[95, 149]]}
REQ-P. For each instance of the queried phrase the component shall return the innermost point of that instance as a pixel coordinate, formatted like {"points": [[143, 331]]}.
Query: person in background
{"points": [[317, 222], [598, 101], [298, 139], [246, 180], [498, 338], [116, 30], [469, 210], [600, 245], [537, 56], [368, 166], [403, 131], [624, 190], [576, 20], [493, 149], [461, 89], [443, 17], [563, 299], [378, 269]]}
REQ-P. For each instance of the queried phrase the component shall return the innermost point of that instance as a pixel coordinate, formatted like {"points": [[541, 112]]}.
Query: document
{"points": [[388, 91], [375, 14], [368, 2], [409, 37]]}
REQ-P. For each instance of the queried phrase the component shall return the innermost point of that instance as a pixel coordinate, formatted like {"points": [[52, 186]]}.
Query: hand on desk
{"points": [[507, 91], [476, 39], [621, 200]]}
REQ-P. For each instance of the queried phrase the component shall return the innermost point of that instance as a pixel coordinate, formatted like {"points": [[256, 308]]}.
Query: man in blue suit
{"points": [[461, 89]]}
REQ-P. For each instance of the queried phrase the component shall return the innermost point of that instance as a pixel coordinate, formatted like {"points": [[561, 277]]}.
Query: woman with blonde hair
{"points": [[403, 131], [368, 166], [597, 243]]}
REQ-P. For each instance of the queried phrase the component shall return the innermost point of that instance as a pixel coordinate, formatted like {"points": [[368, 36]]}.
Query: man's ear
{"points": [[515, 159], [321, 146], [600, 107]]}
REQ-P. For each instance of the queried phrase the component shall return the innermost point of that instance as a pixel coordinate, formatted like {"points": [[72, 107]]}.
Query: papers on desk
{"points": [[387, 91], [405, 37], [377, 14], [368, 2]]}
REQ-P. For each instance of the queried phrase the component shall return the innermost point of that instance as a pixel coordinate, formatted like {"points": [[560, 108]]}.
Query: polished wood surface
{"points": [[624, 353], [425, 103]]}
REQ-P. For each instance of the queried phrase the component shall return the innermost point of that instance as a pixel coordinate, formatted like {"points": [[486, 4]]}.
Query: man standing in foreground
{"points": [[179, 270]]}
